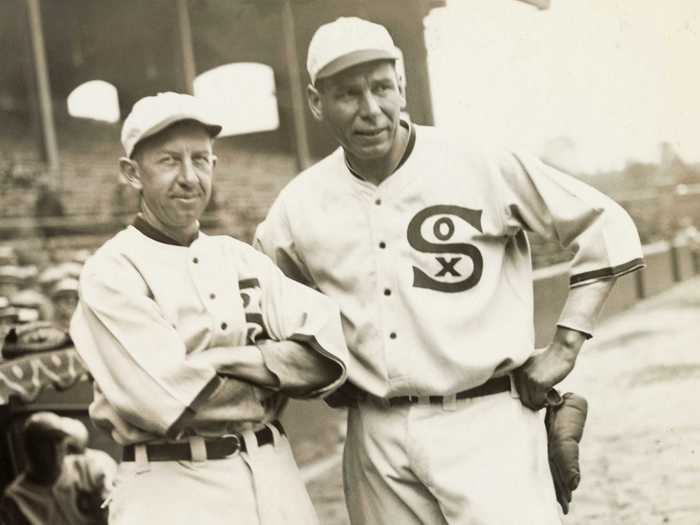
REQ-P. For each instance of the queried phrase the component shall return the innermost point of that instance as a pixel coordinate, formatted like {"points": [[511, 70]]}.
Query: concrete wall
{"points": [[551, 285]]}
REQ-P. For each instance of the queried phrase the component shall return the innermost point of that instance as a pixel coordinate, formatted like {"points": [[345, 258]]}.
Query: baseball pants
{"points": [[261, 486], [480, 461]]}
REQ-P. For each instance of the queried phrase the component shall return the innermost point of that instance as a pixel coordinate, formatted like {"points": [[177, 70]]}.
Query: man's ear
{"points": [[315, 102], [130, 172], [401, 84], [214, 158]]}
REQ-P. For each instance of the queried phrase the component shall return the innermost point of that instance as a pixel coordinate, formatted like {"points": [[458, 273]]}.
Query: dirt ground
{"points": [[641, 448]]}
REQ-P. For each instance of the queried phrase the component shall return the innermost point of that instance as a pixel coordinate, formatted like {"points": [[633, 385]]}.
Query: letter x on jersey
{"points": [[444, 229]]}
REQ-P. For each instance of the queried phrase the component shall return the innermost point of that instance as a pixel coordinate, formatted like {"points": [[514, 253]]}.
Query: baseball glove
{"points": [[564, 420]]}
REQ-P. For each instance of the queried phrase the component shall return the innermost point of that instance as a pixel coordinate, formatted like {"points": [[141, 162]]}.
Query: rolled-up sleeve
{"points": [[298, 313], [136, 357], [557, 206]]}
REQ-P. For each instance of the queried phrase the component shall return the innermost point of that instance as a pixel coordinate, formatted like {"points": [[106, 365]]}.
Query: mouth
{"points": [[370, 134], [186, 198]]}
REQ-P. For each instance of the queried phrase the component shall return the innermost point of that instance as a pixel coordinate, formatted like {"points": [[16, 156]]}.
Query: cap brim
{"points": [[212, 128], [353, 59]]}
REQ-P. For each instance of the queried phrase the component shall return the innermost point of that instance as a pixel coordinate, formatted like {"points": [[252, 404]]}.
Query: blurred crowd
{"points": [[34, 298], [63, 481]]}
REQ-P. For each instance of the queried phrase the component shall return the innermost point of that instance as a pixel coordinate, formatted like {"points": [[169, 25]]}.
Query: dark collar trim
{"points": [[407, 152], [409, 146], [153, 233]]}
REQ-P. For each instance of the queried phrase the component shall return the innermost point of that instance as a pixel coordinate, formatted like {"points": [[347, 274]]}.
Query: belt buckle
{"points": [[412, 400], [238, 442]]}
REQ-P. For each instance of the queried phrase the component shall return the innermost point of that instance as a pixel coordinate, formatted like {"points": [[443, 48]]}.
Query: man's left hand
{"points": [[548, 367]]}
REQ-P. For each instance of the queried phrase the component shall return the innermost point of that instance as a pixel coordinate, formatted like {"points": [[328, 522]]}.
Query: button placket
{"points": [[387, 242], [206, 286]]}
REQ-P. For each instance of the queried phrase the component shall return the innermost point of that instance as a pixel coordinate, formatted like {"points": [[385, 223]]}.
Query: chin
{"points": [[365, 152], [375, 153]]}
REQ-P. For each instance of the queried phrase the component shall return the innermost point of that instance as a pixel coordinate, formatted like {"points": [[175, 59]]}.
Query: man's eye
{"points": [[346, 94], [201, 160], [168, 160]]}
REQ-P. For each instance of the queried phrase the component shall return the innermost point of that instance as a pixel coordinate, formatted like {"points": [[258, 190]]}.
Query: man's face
{"points": [[64, 305], [362, 106], [174, 171], [45, 459]]}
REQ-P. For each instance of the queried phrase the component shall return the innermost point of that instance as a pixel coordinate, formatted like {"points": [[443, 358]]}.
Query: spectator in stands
{"points": [[8, 256], [10, 280], [64, 295], [31, 299], [56, 487], [48, 207], [8, 316]]}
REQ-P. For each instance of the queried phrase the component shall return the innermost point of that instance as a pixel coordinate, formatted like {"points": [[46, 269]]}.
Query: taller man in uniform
{"points": [[194, 342], [421, 240]]}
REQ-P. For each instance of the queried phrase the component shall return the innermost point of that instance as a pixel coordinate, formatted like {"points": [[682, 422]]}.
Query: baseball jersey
{"points": [[146, 304], [431, 268]]}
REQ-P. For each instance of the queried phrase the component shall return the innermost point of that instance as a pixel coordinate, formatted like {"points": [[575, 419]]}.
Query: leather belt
{"points": [[494, 385], [217, 448]]}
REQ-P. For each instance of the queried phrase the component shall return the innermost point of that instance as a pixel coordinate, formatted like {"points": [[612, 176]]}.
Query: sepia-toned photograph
{"points": [[349, 262]]}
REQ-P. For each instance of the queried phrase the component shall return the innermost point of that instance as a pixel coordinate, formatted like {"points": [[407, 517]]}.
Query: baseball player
{"points": [[62, 484], [420, 239], [195, 342]]}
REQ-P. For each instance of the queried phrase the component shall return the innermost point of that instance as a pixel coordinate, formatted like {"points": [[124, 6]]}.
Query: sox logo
{"points": [[251, 295], [444, 229]]}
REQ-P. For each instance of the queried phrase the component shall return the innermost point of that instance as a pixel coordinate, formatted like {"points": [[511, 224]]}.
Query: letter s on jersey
{"points": [[420, 243]]}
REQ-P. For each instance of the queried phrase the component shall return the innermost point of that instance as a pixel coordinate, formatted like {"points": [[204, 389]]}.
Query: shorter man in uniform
{"points": [[195, 342]]}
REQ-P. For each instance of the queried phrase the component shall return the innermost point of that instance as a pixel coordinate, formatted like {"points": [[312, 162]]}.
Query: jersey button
{"points": [[195, 260], [378, 202], [212, 296], [392, 335], [224, 326], [382, 245], [387, 292]]}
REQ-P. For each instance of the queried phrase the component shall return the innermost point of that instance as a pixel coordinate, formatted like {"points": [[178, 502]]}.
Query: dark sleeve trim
{"points": [[587, 335], [312, 343], [611, 271]]}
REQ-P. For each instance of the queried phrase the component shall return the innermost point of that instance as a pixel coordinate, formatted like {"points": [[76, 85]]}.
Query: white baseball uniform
{"points": [[432, 272], [146, 304]]}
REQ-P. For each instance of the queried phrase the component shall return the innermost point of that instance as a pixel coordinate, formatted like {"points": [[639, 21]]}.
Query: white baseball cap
{"points": [[153, 114], [65, 285], [346, 42]]}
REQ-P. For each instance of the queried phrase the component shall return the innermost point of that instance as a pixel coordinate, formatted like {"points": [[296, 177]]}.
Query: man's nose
{"points": [[369, 105], [187, 173]]}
